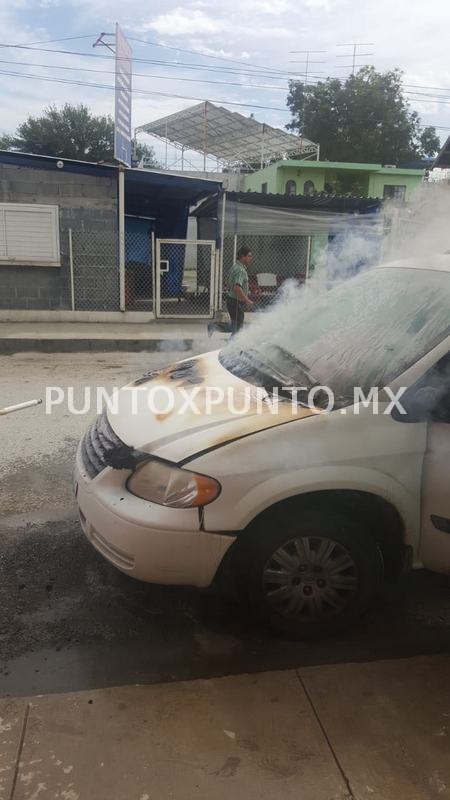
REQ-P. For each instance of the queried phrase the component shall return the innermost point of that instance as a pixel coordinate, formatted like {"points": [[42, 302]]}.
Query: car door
{"points": [[434, 551]]}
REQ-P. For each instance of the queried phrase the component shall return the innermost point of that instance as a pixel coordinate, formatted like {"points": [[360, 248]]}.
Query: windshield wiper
{"points": [[253, 365], [271, 378], [296, 362], [287, 375], [248, 364]]}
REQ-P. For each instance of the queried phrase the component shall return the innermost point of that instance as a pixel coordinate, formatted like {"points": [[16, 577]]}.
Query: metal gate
{"points": [[185, 278]]}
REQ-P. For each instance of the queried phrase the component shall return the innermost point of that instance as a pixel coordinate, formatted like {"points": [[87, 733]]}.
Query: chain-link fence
{"points": [[95, 270], [185, 278], [276, 258], [177, 278], [139, 271]]}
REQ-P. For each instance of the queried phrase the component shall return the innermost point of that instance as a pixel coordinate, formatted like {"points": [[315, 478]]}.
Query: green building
{"points": [[295, 177]]}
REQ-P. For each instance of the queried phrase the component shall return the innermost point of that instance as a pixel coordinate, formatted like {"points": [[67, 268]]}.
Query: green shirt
{"points": [[237, 275]]}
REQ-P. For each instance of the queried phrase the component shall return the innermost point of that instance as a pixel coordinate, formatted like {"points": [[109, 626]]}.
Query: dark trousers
{"points": [[236, 311]]}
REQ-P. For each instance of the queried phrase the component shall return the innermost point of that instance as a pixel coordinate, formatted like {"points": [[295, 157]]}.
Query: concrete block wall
{"points": [[86, 204]]}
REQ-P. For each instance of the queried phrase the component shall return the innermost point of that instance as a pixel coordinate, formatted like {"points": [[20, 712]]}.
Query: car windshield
{"points": [[364, 332]]}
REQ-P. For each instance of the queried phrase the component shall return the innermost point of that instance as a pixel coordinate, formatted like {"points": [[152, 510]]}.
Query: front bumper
{"points": [[144, 540]]}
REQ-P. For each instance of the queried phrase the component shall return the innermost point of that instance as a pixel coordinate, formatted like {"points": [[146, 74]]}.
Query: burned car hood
{"points": [[185, 408]]}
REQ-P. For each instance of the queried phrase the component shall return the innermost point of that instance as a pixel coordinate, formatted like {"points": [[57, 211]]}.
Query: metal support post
{"points": [[308, 258], [121, 238], [153, 257], [222, 243], [262, 146], [166, 144], [72, 284], [205, 135]]}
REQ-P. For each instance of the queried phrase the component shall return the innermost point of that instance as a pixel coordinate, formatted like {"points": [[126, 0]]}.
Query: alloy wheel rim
{"points": [[310, 578]]}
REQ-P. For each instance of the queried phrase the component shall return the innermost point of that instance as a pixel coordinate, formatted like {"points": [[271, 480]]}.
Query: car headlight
{"points": [[169, 485]]}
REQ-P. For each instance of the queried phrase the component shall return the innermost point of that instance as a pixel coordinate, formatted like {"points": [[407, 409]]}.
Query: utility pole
{"points": [[354, 54], [101, 41]]}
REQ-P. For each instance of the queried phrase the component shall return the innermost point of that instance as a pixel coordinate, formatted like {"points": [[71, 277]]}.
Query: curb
{"points": [[11, 346]]}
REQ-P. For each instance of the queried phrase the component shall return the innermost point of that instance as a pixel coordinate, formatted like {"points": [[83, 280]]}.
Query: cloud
{"points": [[261, 32], [323, 5], [210, 51], [186, 22], [271, 7]]}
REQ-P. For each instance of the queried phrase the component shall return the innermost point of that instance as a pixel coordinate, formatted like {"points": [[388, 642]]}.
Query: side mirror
{"points": [[419, 404]]}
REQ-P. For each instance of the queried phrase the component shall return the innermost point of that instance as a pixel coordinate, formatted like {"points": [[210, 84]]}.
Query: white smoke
{"points": [[304, 314], [420, 228]]}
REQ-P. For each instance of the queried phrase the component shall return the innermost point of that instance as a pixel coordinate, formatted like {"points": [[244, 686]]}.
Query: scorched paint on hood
{"points": [[141, 428]]}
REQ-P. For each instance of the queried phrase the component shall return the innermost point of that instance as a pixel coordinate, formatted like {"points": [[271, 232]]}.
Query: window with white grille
{"points": [[29, 235], [397, 193]]}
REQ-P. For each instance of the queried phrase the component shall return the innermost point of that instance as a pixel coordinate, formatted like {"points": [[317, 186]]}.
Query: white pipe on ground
{"points": [[19, 406]]}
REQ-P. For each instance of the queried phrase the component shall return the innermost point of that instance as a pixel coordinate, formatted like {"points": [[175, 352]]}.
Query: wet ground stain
{"points": [[70, 621]]}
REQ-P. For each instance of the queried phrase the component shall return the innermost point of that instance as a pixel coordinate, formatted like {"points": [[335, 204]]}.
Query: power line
{"points": [[204, 55], [144, 75], [417, 86], [178, 65], [199, 67], [430, 98], [246, 64], [160, 94], [64, 39], [418, 96], [423, 97], [273, 69], [138, 91]]}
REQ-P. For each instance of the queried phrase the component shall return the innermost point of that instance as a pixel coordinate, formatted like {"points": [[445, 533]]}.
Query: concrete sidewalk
{"points": [[63, 337], [377, 731]]}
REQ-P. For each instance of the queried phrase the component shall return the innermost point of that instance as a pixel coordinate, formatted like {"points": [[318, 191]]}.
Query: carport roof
{"points": [[152, 186], [231, 137], [164, 187]]}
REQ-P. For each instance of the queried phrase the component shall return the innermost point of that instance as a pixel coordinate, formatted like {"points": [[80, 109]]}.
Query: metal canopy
{"points": [[226, 135]]}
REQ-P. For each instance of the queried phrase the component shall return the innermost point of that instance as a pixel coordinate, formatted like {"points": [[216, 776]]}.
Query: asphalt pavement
{"points": [[69, 621]]}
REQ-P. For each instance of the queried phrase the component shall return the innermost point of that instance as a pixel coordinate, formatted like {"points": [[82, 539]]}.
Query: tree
{"points": [[145, 155], [69, 132], [364, 119], [429, 141]]}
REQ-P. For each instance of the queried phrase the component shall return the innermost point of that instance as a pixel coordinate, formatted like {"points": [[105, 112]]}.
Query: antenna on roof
{"points": [[355, 46], [307, 61]]}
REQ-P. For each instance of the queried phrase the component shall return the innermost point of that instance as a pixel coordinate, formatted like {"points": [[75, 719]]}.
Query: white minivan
{"points": [[305, 462]]}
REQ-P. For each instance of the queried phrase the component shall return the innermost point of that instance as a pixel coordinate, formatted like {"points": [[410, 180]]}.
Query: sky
{"points": [[262, 34]]}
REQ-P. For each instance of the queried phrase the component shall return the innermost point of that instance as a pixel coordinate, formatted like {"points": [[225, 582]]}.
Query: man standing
{"points": [[237, 294]]}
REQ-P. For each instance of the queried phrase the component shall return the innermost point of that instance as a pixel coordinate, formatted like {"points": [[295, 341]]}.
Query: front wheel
{"points": [[312, 572]]}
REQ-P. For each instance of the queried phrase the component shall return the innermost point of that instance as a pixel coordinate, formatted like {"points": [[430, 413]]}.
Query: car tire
{"points": [[311, 573]]}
